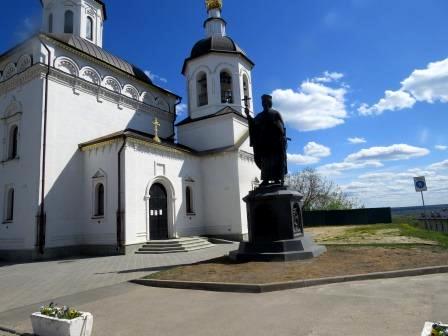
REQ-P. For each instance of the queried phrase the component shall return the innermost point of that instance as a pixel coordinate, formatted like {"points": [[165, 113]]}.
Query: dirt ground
{"points": [[338, 261], [338, 235]]}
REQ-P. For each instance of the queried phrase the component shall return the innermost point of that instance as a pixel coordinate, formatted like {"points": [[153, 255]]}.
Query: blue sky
{"points": [[362, 84]]}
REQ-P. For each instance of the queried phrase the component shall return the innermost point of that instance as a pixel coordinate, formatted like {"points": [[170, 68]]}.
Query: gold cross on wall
{"points": [[156, 124]]}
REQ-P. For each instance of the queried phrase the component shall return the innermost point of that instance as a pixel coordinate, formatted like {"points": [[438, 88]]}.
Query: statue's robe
{"points": [[268, 138]]}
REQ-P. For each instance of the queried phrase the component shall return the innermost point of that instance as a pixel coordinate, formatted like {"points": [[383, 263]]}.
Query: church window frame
{"points": [[246, 90], [50, 23], [69, 22], [202, 89], [99, 195], [99, 200], [226, 85], [89, 28], [189, 201], [10, 203], [13, 142]]}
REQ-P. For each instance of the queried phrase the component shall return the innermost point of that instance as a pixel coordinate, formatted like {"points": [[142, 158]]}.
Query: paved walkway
{"points": [[25, 284], [369, 308]]}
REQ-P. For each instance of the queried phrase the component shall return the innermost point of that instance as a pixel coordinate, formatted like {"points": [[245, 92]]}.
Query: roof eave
{"points": [[184, 67]]}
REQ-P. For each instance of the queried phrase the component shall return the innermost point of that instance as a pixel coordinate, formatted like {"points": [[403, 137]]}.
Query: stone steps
{"points": [[174, 246]]}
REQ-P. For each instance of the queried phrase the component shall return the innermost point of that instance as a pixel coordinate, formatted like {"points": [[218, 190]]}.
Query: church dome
{"points": [[215, 44]]}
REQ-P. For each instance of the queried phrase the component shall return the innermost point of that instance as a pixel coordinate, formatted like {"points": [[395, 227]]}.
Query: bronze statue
{"points": [[268, 138]]}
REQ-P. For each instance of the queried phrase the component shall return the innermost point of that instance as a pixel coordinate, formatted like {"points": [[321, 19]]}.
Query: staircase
{"points": [[174, 245]]}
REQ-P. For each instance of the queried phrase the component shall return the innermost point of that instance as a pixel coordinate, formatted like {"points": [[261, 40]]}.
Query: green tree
{"points": [[320, 193]]}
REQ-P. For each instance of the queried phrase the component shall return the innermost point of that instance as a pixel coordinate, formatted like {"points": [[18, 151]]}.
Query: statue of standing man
{"points": [[268, 139]]}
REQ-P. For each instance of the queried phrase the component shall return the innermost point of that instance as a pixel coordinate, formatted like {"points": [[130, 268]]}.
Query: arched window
{"points": [[50, 23], [202, 90], [189, 200], [245, 86], [226, 88], [10, 205], [13, 142], [89, 28], [68, 22], [99, 200]]}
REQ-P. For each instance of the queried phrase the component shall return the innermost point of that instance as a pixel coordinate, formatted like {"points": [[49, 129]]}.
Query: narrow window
{"points": [[13, 142], [68, 22], [99, 200], [89, 28], [201, 89], [10, 205], [188, 200], [50, 23], [245, 86], [226, 88]]}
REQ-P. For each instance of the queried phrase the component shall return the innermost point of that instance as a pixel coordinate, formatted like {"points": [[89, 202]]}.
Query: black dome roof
{"points": [[217, 44]]}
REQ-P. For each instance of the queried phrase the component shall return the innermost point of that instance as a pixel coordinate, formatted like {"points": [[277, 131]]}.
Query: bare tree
{"points": [[318, 192]]}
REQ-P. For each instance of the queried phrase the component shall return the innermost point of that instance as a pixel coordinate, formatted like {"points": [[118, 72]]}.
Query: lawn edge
{"points": [[278, 286]]}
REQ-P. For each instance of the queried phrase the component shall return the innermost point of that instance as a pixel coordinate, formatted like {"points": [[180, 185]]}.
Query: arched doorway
{"points": [[158, 212]]}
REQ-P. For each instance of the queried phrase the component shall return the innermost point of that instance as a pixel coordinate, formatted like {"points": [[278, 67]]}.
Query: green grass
{"points": [[403, 229]]}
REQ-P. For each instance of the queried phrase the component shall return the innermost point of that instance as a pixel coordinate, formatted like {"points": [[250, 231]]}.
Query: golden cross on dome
{"points": [[156, 124], [213, 4]]}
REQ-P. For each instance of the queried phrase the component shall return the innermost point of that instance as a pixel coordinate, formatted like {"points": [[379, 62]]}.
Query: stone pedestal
{"points": [[276, 227]]}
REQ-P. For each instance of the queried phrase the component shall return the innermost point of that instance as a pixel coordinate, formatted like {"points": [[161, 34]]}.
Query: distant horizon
{"points": [[362, 84]]}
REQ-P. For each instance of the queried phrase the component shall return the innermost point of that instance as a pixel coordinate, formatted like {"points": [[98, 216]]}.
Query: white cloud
{"points": [[329, 77], [338, 167], [393, 152], [313, 153], [439, 165], [441, 147], [154, 77], [356, 140], [181, 108], [316, 150], [396, 188], [314, 106], [428, 85], [300, 159], [393, 100]]}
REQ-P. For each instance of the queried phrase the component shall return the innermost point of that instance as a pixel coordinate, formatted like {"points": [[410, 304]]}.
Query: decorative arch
{"points": [[202, 68], [148, 98], [9, 71], [67, 65], [130, 91], [13, 108], [24, 63], [162, 103], [112, 84], [166, 183], [90, 75]]}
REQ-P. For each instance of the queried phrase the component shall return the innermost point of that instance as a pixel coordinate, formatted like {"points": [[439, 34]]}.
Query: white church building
{"points": [[92, 158]]}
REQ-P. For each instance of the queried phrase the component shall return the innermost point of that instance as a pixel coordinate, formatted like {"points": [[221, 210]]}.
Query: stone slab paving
{"points": [[25, 284], [369, 308]]}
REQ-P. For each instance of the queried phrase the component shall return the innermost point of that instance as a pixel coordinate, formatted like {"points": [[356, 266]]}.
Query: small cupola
{"points": [[218, 71], [83, 18]]}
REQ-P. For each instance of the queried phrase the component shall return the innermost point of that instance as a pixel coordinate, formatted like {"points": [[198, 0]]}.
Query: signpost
{"points": [[420, 186]]}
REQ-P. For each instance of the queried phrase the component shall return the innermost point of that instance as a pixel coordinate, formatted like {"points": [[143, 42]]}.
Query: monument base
{"points": [[301, 248], [275, 223]]}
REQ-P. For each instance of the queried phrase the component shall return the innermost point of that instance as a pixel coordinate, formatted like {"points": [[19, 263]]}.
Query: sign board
{"points": [[420, 184]]}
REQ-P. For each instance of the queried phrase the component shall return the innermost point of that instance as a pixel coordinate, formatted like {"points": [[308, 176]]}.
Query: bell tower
{"points": [[83, 18], [218, 76]]}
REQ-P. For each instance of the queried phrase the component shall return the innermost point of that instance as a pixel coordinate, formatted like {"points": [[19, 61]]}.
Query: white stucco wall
{"points": [[23, 173], [174, 170]]}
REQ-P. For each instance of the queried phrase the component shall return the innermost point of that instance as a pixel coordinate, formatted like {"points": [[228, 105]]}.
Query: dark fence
{"points": [[347, 217]]}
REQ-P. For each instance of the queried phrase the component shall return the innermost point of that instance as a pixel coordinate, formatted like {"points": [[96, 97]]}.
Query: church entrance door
{"points": [[158, 208]]}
